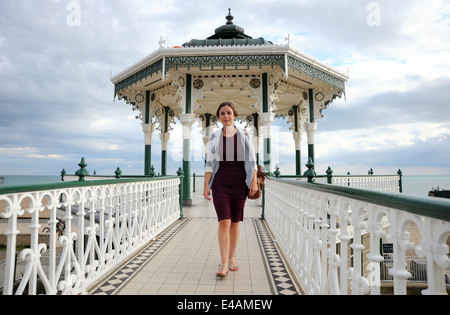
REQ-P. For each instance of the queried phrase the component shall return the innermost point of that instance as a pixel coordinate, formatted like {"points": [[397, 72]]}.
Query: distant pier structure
{"points": [[264, 81]]}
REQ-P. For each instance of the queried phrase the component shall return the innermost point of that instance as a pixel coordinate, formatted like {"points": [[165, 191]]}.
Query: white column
{"points": [[187, 120], [266, 121], [164, 144], [311, 129], [148, 130], [298, 149]]}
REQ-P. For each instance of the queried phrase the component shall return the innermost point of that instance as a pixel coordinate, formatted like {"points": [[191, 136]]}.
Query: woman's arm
{"points": [[254, 184], [206, 190]]}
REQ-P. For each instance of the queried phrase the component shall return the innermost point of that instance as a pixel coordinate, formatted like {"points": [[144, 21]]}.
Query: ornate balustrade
{"points": [[106, 222], [331, 236], [388, 183]]}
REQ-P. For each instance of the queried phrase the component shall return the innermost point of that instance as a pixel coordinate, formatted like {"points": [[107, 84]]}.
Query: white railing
{"points": [[386, 183], [74, 178], [331, 236], [380, 183], [106, 222]]}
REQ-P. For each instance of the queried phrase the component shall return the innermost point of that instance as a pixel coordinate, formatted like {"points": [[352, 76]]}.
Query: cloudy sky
{"points": [[56, 98]]}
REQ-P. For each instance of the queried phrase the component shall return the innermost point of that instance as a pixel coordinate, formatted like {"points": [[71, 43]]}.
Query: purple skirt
{"points": [[229, 190]]}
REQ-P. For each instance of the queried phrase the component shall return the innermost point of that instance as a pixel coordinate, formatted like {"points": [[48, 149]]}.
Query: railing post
{"points": [[310, 173], [82, 172], [180, 173], [263, 202], [400, 181], [329, 175], [118, 173], [152, 172], [193, 184], [277, 171]]}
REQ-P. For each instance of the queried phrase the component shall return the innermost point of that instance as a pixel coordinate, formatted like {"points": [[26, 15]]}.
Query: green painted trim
{"points": [[75, 184], [148, 159], [147, 107], [316, 73], [188, 93], [429, 207], [267, 154], [311, 106], [295, 108], [208, 120], [256, 123], [311, 152], [187, 169], [207, 126], [166, 119], [298, 163], [223, 62], [143, 74], [265, 96], [164, 163]]}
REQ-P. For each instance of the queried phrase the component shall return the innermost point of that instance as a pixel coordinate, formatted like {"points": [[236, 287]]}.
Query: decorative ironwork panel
{"points": [[140, 75], [315, 73], [223, 62]]}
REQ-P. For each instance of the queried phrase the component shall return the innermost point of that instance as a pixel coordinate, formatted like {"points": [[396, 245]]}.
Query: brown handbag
{"points": [[260, 177]]}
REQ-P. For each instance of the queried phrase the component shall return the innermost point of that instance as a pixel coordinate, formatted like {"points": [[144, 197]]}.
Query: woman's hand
{"points": [[207, 192], [254, 184], [253, 188]]}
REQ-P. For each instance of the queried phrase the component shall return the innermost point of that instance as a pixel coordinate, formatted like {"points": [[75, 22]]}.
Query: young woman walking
{"points": [[230, 173]]}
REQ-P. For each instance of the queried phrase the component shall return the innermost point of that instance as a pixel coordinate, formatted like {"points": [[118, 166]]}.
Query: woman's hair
{"points": [[226, 104]]}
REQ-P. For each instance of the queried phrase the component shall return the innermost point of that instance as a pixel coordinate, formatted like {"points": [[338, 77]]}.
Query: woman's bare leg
{"points": [[234, 240], [224, 243]]}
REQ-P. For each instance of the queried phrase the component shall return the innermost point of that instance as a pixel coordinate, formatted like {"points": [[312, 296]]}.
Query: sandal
{"points": [[233, 266], [222, 274]]}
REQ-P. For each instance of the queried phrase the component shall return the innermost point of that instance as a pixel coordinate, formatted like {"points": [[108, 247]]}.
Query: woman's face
{"points": [[226, 116]]}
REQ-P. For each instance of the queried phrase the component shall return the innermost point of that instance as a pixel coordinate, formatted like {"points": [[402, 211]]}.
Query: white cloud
{"points": [[5, 64], [17, 150], [56, 97], [381, 138], [45, 156]]}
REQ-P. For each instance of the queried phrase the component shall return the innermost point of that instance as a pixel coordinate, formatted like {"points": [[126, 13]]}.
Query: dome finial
{"points": [[229, 18]]}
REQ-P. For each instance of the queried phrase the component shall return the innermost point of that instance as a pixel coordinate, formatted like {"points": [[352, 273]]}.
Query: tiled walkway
{"points": [[185, 258]]}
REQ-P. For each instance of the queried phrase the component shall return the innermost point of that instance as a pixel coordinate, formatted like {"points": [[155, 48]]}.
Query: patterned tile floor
{"points": [[183, 260]]}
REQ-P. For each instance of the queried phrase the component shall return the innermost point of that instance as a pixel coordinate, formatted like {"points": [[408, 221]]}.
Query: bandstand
{"points": [[128, 235], [262, 79]]}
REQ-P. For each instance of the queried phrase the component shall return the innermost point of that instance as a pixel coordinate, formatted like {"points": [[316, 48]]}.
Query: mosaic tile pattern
{"points": [[282, 280], [279, 276], [124, 274]]}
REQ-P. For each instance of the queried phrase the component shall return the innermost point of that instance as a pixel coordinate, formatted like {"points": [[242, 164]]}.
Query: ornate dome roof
{"points": [[228, 35]]}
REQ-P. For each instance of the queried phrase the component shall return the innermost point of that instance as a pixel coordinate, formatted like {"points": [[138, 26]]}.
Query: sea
{"points": [[20, 180], [417, 186]]}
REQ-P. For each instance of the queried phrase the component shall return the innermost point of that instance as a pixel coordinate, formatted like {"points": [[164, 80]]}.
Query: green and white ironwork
{"points": [[106, 223], [331, 236]]}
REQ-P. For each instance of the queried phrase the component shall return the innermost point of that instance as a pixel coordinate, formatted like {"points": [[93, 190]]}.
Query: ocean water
{"points": [[18, 180], [418, 186]]}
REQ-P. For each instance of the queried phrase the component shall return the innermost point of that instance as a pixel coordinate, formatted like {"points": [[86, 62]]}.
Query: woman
{"points": [[231, 174]]}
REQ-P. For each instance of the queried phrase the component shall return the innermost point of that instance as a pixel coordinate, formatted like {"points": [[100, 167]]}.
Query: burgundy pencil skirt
{"points": [[229, 190]]}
